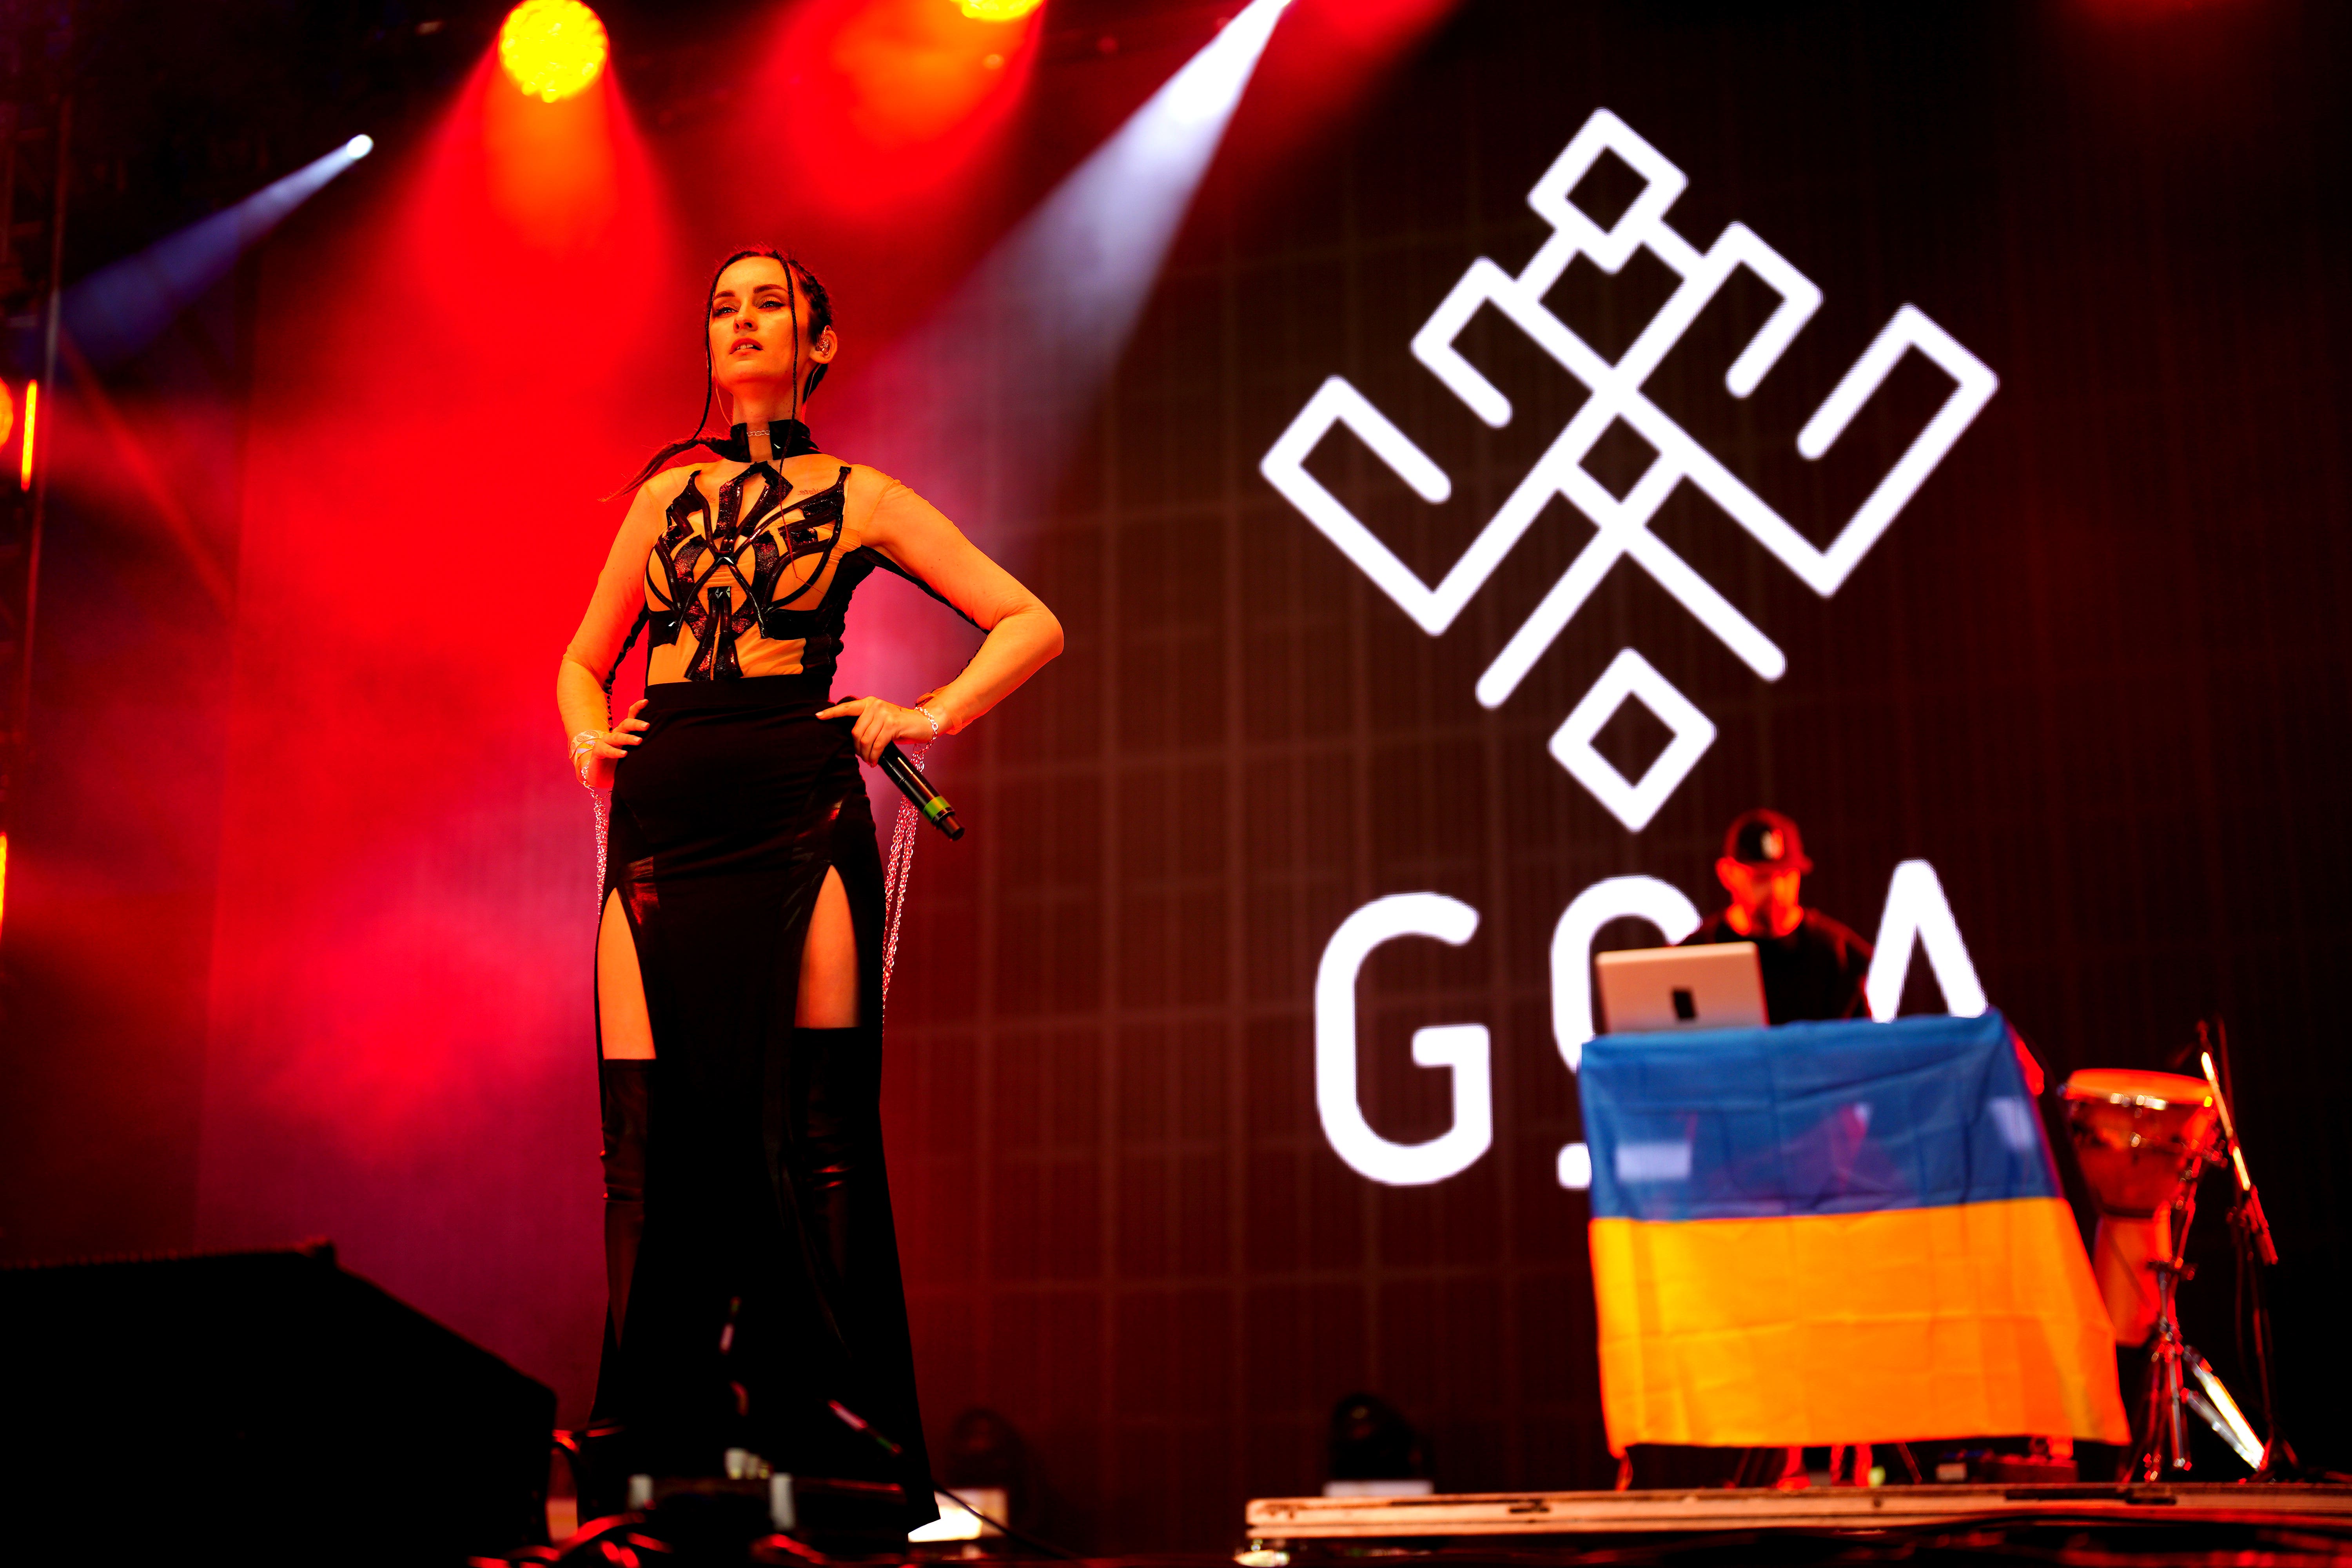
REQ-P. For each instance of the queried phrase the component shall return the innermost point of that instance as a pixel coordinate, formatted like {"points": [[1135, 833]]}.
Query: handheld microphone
{"points": [[900, 770]]}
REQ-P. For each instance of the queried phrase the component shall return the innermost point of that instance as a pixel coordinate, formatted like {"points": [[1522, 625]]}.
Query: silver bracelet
{"points": [[932, 718], [583, 744]]}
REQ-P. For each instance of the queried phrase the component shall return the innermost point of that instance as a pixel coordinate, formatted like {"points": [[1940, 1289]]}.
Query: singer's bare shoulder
{"points": [[922, 540], [865, 491], [890, 515], [664, 487]]}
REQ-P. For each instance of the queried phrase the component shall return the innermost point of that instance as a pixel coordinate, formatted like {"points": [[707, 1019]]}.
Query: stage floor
{"points": [[2183, 1525], [2179, 1523]]}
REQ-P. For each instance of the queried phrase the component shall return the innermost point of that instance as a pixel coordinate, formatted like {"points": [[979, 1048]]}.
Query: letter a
{"points": [[1915, 906]]}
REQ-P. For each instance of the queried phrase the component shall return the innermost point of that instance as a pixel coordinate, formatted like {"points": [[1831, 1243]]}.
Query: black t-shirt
{"points": [[1813, 972]]}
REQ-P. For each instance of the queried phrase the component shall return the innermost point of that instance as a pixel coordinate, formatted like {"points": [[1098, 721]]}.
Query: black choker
{"points": [[786, 438]]}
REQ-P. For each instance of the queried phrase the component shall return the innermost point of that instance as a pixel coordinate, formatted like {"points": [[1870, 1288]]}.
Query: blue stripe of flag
{"points": [[1810, 1118]]}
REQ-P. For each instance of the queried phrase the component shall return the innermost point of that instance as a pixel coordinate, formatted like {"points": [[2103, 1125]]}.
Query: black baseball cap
{"points": [[1767, 841]]}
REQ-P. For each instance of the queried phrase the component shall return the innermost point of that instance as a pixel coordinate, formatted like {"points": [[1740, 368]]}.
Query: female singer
{"points": [[750, 1253]]}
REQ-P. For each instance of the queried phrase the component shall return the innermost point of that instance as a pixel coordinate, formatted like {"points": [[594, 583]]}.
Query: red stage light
{"points": [[552, 48], [32, 411], [891, 102], [998, 10]]}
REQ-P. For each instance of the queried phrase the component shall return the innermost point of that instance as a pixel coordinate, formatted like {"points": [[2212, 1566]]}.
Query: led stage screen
{"points": [[1918, 422]]}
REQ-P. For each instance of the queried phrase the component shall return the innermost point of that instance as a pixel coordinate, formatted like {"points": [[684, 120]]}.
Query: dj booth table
{"points": [[1835, 1233]]}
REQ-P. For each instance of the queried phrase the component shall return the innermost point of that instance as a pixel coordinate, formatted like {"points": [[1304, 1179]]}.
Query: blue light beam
{"points": [[1080, 267], [118, 309], [1020, 351]]}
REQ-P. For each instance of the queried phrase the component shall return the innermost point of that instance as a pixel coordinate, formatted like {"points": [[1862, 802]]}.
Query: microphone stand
{"points": [[2250, 1228]]}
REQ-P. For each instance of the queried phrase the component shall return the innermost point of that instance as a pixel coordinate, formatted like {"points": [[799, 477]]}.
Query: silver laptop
{"points": [[1716, 985]]}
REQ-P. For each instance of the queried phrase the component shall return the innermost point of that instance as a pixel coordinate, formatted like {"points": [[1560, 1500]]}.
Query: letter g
{"points": [[1461, 1048]]}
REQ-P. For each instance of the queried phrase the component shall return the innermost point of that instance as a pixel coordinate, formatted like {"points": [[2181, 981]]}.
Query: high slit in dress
{"points": [[765, 1200]]}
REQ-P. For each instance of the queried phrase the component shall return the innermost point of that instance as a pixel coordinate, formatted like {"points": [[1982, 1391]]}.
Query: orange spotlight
{"points": [[32, 408], [552, 48], [7, 411], [998, 10]]}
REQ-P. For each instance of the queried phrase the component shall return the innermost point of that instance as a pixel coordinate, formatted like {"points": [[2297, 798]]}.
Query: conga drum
{"points": [[2139, 1138]]}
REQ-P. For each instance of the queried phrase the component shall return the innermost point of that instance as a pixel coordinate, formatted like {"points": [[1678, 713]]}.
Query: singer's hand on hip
{"points": [[879, 724], [612, 746]]}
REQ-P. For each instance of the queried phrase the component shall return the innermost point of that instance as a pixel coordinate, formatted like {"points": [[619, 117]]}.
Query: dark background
{"points": [[2095, 673]]}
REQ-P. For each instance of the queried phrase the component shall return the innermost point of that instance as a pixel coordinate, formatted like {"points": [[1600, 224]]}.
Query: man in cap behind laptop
{"points": [[1813, 968]]}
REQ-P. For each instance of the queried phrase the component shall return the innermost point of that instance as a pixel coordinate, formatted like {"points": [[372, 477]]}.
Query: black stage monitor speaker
{"points": [[258, 1407]]}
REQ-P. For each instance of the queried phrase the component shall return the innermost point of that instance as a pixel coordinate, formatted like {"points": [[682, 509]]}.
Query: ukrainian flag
{"points": [[1835, 1233]]}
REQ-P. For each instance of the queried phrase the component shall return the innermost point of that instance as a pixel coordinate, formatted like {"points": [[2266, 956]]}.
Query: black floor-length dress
{"points": [[765, 1200]]}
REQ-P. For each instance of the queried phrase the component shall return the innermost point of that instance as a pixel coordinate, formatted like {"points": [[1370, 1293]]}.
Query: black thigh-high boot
{"points": [[606, 1457], [627, 1086], [834, 1093]]}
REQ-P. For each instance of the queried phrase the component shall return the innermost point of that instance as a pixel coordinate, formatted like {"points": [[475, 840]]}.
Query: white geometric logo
{"points": [[1622, 526], [1632, 677]]}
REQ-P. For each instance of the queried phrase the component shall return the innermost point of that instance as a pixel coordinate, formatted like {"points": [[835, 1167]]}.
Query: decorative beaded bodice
{"points": [[723, 577]]}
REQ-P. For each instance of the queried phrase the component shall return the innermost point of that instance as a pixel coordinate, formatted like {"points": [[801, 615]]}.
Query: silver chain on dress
{"points": [[603, 799], [894, 874]]}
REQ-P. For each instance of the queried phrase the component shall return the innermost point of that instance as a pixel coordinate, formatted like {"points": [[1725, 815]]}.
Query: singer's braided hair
{"points": [[798, 279]]}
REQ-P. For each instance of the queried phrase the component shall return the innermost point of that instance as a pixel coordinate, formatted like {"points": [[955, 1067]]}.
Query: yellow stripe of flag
{"points": [[1961, 1320]]}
